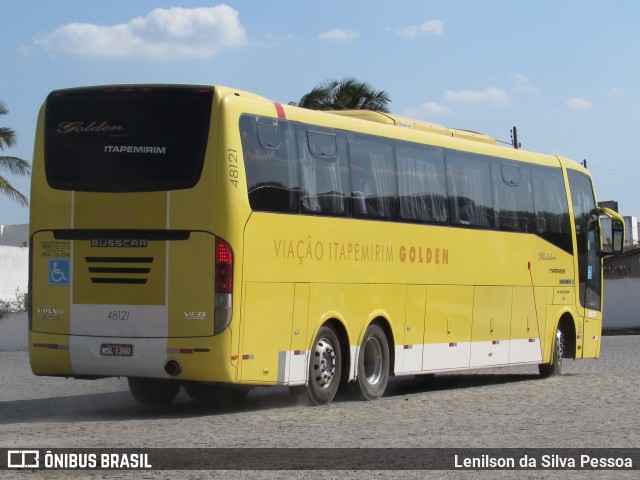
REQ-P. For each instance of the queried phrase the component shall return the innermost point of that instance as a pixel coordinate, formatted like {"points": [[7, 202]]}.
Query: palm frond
{"points": [[7, 137], [345, 94], [15, 166], [7, 189]]}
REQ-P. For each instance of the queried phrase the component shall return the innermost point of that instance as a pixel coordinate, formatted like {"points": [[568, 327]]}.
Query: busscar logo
{"points": [[119, 243]]}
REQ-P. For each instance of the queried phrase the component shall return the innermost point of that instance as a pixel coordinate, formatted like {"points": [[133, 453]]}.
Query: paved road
{"points": [[594, 404]]}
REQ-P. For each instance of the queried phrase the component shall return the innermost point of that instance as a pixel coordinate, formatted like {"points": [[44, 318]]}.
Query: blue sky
{"points": [[564, 72]]}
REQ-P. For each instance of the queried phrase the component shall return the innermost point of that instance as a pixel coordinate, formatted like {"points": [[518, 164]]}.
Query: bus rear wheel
{"points": [[373, 363], [153, 391], [325, 367], [555, 367]]}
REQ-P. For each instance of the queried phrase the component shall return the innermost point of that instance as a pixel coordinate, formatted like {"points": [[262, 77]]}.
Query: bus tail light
{"points": [[223, 286], [30, 285]]}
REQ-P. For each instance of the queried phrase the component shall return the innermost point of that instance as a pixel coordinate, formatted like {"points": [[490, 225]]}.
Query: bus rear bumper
{"points": [[85, 356]]}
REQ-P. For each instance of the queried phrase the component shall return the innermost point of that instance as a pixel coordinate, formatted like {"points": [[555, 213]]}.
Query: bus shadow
{"points": [[426, 383], [120, 406]]}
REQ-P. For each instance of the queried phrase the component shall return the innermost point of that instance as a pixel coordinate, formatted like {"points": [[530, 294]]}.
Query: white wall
{"points": [[14, 274], [13, 332], [621, 303], [14, 235], [631, 231], [14, 271]]}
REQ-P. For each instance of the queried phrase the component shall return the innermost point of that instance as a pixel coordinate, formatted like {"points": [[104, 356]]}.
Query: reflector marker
{"points": [[453, 344], [248, 357], [187, 350], [51, 346], [495, 342], [408, 347]]}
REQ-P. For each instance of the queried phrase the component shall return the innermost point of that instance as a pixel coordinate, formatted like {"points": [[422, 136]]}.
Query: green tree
{"points": [[13, 165], [345, 94]]}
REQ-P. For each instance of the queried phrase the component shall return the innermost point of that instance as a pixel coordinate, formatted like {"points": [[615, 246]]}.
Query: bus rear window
{"points": [[126, 139]]}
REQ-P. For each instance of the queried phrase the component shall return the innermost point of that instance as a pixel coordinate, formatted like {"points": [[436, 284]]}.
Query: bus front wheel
{"points": [[373, 363], [325, 367], [153, 391], [555, 367]]}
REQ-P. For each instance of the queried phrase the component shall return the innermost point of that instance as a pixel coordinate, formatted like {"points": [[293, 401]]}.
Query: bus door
{"points": [[589, 254]]}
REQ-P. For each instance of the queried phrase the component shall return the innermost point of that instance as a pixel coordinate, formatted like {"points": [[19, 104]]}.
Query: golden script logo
{"points": [[93, 127]]}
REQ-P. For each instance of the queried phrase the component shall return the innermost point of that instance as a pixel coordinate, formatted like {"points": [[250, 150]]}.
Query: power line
{"points": [[614, 172], [515, 143]]}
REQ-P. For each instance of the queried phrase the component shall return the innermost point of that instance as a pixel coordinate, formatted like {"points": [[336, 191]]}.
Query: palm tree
{"points": [[346, 94], [13, 165]]}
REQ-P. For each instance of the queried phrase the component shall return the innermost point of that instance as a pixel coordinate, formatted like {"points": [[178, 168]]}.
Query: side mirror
{"points": [[615, 239], [617, 236]]}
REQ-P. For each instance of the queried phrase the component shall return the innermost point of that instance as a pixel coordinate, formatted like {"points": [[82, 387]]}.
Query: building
{"points": [[14, 260], [630, 234], [14, 235], [622, 289]]}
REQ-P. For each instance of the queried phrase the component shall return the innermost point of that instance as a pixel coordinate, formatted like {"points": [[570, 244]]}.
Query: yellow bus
{"points": [[209, 238]]}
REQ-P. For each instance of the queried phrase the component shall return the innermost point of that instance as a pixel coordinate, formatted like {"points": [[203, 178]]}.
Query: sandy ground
{"points": [[594, 404]]}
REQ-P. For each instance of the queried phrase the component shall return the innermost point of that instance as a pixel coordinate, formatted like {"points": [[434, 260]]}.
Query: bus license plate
{"points": [[116, 350]]}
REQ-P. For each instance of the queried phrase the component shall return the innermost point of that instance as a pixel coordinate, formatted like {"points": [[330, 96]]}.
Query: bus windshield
{"points": [[588, 239], [124, 139]]}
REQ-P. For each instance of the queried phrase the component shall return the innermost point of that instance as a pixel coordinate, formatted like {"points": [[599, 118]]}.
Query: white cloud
{"points": [[579, 104], [426, 109], [523, 83], [435, 27], [490, 95], [24, 50], [338, 34], [167, 34], [616, 91]]}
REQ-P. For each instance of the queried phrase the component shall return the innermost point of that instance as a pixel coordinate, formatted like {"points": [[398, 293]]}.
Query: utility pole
{"points": [[514, 138]]}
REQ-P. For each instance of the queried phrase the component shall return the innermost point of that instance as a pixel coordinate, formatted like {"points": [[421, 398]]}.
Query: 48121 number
{"points": [[234, 175]]}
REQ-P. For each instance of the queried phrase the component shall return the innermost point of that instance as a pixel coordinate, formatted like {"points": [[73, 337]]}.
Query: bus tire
{"points": [[153, 391], [373, 363], [325, 367], [555, 367]]}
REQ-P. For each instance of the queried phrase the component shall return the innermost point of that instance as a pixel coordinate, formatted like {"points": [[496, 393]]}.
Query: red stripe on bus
{"points": [[280, 110]]}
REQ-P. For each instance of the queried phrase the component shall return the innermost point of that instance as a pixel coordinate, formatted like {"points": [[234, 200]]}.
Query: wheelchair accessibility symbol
{"points": [[59, 271]]}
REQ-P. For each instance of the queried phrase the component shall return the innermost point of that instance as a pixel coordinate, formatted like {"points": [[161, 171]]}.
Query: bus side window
{"points": [[268, 146], [469, 186], [552, 221], [422, 184], [373, 178], [514, 197], [324, 174]]}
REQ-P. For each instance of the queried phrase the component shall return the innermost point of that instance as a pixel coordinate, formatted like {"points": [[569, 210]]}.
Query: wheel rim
{"points": [[324, 363], [372, 360], [559, 347]]}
